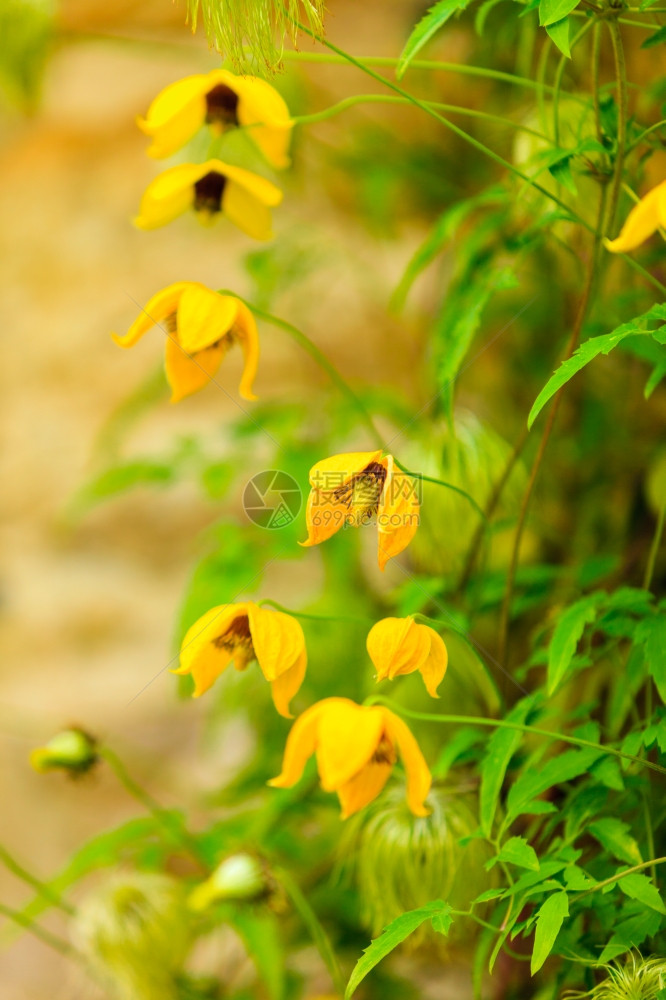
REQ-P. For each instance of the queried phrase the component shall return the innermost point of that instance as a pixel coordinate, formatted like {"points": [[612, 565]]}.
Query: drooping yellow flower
{"points": [[643, 221], [399, 646], [240, 633], [223, 101], [211, 188], [201, 326], [362, 488], [356, 747]]}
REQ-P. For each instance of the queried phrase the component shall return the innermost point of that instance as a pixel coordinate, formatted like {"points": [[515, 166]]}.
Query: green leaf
{"points": [[559, 34], [600, 345], [482, 13], [561, 172], [551, 11], [631, 933], [428, 26], [640, 887], [501, 748], [442, 923], [568, 631], [260, 933], [614, 835], [656, 39], [652, 634], [549, 921], [516, 851], [565, 767], [393, 935]]}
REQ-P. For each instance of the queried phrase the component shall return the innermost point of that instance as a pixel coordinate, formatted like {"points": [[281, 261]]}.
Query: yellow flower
{"points": [[643, 220], [210, 188], [242, 633], [361, 488], [356, 748], [399, 646], [201, 326], [223, 101]]}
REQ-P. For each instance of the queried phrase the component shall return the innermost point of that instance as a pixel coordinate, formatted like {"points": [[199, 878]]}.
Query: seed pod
{"points": [[241, 877], [642, 978], [71, 750], [134, 933]]}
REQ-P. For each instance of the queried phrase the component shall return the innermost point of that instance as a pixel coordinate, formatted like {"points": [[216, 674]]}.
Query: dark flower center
{"points": [[385, 752], [361, 494], [208, 192], [237, 639], [221, 105]]}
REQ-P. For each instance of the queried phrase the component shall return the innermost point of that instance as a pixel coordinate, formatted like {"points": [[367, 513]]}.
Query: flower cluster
{"points": [[356, 746]]}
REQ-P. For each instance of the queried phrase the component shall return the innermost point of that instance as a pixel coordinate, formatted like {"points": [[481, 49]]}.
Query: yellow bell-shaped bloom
{"points": [[223, 101], [209, 189], [363, 488], [356, 747], [399, 646], [240, 633], [200, 327], [643, 221]]}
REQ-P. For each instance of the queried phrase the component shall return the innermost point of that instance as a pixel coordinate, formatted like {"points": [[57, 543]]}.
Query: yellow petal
{"points": [[398, 514], [199, 655], [324, 514], [277, 639], [245, 329], [301, 744], [262, 109], [397, 646], [187, 374], [418, 775], [246, 211], [169, 195], [285, 686], [642, 221], [260, 188], [162, 305], [175, 115], [434, 666], [363, 787], [349, 734], [204, 317]]}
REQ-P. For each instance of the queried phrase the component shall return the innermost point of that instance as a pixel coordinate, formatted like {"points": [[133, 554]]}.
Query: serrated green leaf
{"points": [[656, 39], [559, 34], [393, 935], [565, 767], [442, 923], [640, 887], [428, 26], [652, 634], [517, 851], [614, 835], [631, 933], [549, 921], [566, 636], [592, 348], [561, 172], [501, 748], [482, 13], [551, 11]]}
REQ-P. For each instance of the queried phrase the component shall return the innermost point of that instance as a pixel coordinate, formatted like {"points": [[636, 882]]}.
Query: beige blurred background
{"points": [[88, 607]]}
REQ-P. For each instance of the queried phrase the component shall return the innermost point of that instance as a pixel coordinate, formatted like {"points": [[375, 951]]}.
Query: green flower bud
{"points": [[400, 862], [240, 877], [134, 933], [72, 750], [639, 979]]}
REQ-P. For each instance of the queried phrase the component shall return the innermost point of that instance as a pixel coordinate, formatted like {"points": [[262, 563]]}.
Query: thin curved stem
{"points": [[474, 720], [622, 115], [315, 927], [350, 102], [445, 484], [39, 932], [652, 863], [311, 617], [654, 549], [320, 358], [45, 891]]}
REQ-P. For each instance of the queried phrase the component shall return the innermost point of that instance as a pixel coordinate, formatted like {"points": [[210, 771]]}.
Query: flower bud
{"points": [[400, 862], [134, 933], [71, 750], [241, 877]]}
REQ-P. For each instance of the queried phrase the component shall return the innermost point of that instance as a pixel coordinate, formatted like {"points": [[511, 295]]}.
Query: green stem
{"points": [[314, 926], [654, 549], [622, 114], [443, 482], [350, 102], [429, 64], [474, 720], [320, 358], [311, 617], [178, 837], [564, 61], [653, 862], [40, 887], [45, 936]]}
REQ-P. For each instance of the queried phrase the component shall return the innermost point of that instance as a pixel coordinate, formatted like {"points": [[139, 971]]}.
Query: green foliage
{"points": [[427, 27]]}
